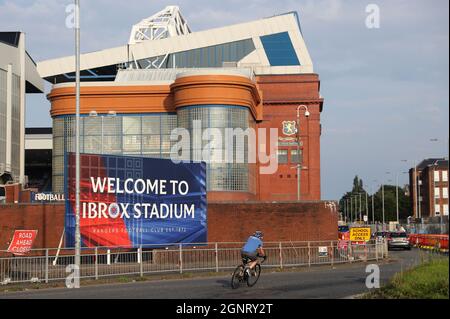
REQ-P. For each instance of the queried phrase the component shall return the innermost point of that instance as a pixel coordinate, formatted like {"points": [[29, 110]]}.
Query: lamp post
{"points": [[360, 204], [382, 200], [351, 209], [346, 208], [373, 202], [367, 207], [77, 137], [299, 164], [360, 208], [348, 212]]}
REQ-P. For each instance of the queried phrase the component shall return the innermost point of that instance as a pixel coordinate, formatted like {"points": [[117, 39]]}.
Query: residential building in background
{"points": [[431, 187]]}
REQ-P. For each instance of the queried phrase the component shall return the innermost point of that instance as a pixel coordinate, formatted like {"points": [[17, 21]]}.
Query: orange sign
{"points": [[22, 242]]}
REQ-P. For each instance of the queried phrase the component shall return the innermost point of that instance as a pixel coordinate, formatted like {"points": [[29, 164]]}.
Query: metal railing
{"points": [[45, 265]]}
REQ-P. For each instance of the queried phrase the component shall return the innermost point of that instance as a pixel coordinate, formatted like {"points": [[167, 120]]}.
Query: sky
{"points": [[385, 90]]}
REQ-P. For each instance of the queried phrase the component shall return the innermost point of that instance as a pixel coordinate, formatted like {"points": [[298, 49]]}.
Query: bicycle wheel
{"points": [[251, 280], [237, 277]]}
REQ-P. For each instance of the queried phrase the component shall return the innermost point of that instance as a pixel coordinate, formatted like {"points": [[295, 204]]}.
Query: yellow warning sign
{"points": [[360, 234]]}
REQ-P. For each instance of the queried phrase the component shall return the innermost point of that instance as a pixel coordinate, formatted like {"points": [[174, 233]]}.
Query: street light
{"points": [[299, 164], [77, 137], [356, 207], [351, 209], [373, 203], [382, 198], [360, 204], [396, 195], [346, 209]]}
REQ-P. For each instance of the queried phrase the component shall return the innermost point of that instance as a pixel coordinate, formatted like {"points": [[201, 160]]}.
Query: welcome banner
{"points": [[132, 201]]}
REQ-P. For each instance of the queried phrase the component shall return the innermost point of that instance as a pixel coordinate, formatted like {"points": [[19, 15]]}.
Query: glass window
{"points": [[112, 125], [92, 125], [111, 145], [436, 176], [131, 143], [398, 235], [131, 125], [151, 124], [445, 192], [279, 49], [282, 156], [445, 210], [437, 193], [445, 176], [294, 156], [221, 176], [437, 209], [214, 56]]}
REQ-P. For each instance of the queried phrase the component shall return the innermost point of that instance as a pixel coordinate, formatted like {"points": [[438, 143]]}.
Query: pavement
{"points": [[340, 281]]}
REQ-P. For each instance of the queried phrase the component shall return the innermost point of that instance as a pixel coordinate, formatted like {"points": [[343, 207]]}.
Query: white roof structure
{"points": [[10, 54], [170, 75], [273, 45], [164, 24]]}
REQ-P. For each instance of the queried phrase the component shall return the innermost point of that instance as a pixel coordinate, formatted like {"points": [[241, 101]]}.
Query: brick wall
{"points": [[286, 221], [47, 219], [231, 222], [282, 94]]}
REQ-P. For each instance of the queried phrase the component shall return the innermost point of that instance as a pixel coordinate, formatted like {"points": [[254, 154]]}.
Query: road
{"points": [[341, 281]]}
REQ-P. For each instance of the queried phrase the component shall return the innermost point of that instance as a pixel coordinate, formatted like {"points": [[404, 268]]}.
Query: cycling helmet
{"points": [[258, 234]]}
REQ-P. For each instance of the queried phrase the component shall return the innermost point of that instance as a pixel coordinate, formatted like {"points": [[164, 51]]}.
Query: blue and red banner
{"points": [[132, 201]]}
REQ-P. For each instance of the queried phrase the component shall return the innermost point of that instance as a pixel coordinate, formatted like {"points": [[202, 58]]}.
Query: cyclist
{"points": [[253, 248]]}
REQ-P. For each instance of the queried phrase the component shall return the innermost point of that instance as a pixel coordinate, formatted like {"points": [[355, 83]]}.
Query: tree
{"points": [[358, 199], [390, 206]]}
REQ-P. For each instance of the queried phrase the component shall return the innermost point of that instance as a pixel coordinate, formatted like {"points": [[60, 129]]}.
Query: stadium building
{"points": [[257, 75], [18, 76]]}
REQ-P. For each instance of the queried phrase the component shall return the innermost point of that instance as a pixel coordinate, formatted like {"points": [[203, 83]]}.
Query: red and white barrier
{"points": [[429, 241]]}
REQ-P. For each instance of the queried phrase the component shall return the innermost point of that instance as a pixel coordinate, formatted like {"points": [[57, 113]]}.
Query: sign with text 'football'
{"points": [[131, 201]]}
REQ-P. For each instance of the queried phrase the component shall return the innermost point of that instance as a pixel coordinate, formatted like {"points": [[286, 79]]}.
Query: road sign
{"points": [[323, 251], [360, 234], [22, 242]]}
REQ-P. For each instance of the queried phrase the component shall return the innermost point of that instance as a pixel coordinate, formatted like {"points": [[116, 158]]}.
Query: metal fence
{"points": [[45, 265]]}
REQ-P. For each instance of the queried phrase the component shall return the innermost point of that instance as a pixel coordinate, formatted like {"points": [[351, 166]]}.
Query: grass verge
{"points": [[426, 281]]}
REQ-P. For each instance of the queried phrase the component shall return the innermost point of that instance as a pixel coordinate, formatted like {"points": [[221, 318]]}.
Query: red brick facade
{"points": [[432, 190], [47, 219], [282, 94], [286, 221], [272, 99], [234, 222]]}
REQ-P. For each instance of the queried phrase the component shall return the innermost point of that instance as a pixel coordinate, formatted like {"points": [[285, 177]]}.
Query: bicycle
{"points": [[241, 273]]}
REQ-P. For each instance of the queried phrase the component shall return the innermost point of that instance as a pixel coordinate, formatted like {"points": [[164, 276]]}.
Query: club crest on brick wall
{"points": [[289, 127]]}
